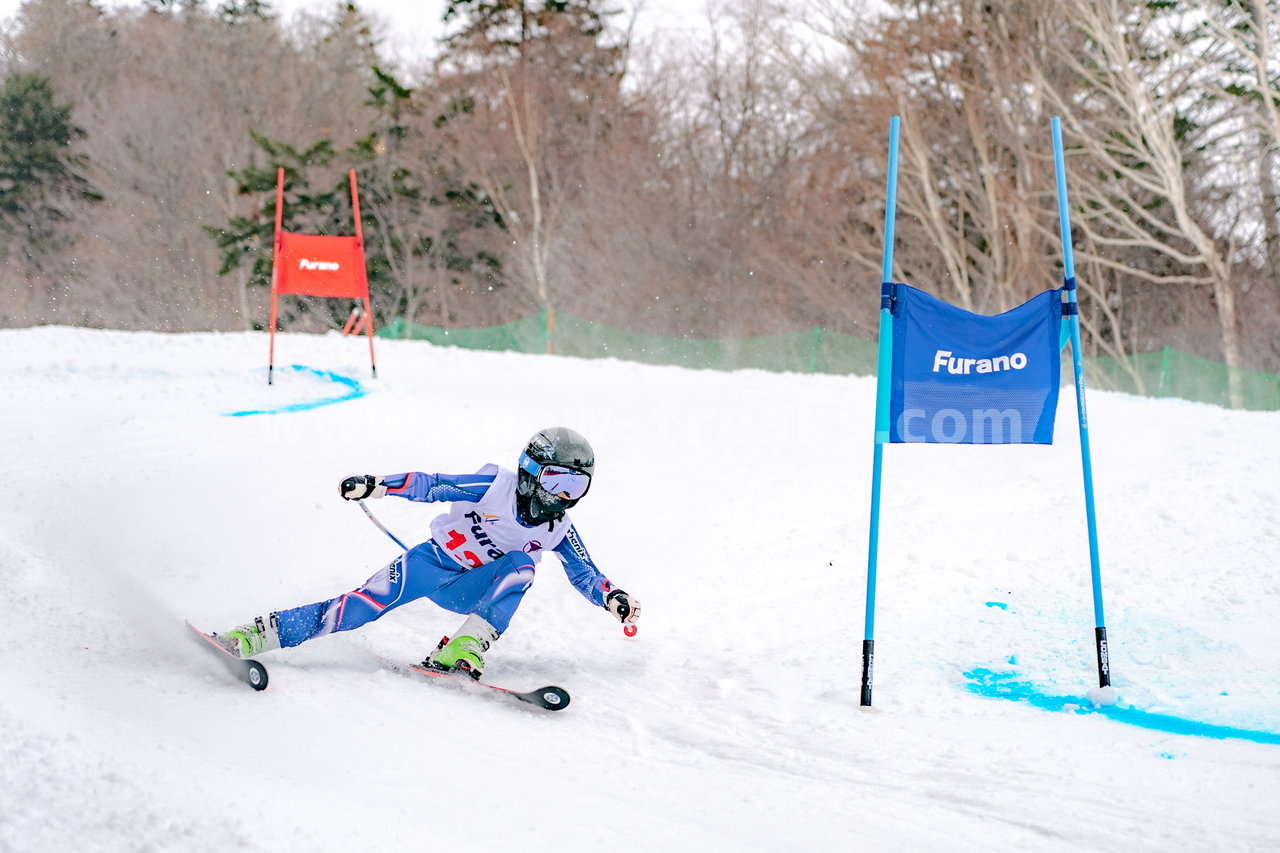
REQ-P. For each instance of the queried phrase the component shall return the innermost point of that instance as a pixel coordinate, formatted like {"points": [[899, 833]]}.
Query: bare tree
{"points": [[1244, 49], [977, 221], [533, 86], [167, 97], [1128, 130], [1240, 41]]}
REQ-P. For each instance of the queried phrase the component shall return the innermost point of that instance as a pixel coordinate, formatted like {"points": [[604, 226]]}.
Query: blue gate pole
{"points": [[1072, 310], [884, 369]]}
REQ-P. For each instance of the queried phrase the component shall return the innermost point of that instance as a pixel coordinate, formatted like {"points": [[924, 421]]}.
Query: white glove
{"points": [[362, 486], [624, 608]]}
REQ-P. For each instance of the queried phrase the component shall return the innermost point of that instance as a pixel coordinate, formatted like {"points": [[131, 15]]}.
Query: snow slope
{"points": [[733, 505]]}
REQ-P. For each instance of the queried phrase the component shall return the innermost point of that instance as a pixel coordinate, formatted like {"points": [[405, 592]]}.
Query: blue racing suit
{"points": [[468, 571]]}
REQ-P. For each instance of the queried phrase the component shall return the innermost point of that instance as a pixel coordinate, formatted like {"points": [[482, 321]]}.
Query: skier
{"points": [[479, 560]]}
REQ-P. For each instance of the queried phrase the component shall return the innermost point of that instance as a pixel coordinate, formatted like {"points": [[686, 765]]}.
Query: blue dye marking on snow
{"points": [[1003, 685], [354, 390], [999, 604]]}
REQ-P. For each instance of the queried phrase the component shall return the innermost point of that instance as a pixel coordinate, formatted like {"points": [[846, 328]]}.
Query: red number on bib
{"points": [[457, 540]]}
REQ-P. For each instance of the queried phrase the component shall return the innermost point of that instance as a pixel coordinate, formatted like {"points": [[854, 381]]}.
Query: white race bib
{"points": [[481, 532]]}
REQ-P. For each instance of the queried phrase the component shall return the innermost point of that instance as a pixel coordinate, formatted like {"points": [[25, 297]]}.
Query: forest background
{"points": [[543, 154]]}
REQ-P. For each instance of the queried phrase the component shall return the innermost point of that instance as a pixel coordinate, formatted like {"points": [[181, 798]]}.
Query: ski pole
{"points": [[378, 524]]}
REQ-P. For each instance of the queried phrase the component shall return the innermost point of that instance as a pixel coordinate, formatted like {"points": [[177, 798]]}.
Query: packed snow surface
{"points": [[149, 478]]}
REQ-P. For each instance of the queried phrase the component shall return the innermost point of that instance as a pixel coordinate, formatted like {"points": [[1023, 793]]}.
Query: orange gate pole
{"points": [[368, 309], [275, 272]]}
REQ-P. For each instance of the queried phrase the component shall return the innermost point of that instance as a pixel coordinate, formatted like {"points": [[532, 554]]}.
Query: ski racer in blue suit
{"points": [[479, 561]]}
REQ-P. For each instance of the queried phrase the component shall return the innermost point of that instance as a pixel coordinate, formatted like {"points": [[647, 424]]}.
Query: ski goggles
{"points": [[557, 479]]}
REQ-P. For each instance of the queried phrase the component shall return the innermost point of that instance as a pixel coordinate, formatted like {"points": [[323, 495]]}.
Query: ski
{"points": [[549, 698], [251, 672]]}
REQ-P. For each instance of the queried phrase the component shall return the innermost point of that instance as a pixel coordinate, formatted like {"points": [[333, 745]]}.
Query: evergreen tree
{"points": [[241, 11], [534, 89], [249, 238], [42, 174], [424, 226], [424, 229]]}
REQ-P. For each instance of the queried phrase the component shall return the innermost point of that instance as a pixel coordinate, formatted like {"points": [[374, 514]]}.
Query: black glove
{"points": [[362, 486], [625, 608]]}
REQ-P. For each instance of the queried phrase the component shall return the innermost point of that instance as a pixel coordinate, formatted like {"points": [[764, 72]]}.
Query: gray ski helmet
{"points": [[559, 446]]}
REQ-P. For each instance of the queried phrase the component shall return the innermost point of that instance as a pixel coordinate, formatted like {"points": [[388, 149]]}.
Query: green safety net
{"points": [[1173, 373], [1168, 373]]}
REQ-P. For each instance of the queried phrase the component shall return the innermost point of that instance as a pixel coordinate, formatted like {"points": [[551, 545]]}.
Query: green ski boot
{"points": [[465, 652], [246, 641]]}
